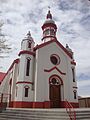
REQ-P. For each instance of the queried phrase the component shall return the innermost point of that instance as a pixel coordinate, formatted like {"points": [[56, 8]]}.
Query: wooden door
{"points": [[55, 96]]}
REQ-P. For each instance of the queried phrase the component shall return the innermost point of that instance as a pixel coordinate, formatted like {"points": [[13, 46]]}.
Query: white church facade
{"points": [[43, 76]]}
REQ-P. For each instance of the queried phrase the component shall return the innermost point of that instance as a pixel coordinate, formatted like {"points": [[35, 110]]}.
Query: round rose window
{"points": [[55, 59]]}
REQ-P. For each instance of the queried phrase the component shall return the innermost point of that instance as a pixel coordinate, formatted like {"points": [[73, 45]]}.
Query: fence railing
{"points": [[70, 110]]}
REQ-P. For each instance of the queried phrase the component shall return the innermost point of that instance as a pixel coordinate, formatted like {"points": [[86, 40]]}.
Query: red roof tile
{"points": [[2, 76]]}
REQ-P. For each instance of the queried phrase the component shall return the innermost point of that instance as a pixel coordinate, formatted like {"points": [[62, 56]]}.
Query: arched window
{"points": [[29, 44], [52, 32], [75, 94], [16, 90], [46, 32], [26, 91], [28, 66], [73, 74]]}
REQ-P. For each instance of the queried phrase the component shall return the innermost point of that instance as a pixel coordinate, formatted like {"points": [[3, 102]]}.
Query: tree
{"points": [[4, 48]]}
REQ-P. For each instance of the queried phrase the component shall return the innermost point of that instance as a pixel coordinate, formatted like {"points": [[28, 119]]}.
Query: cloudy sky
{"points": [[72, 18]]}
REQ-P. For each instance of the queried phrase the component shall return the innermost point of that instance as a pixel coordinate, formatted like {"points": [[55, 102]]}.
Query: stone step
{"points": [[1, 114], [36, 110], [42, 114], [83, 118], [83, 114], [34, 117], [34, 114]]}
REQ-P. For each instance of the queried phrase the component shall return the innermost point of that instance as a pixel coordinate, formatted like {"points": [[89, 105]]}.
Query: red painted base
{"points": [[45, 104], [19, 104]]}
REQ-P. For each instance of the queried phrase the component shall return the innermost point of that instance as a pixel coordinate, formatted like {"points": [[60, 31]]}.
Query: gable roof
{"points": [[2, 76], [51, 41]]}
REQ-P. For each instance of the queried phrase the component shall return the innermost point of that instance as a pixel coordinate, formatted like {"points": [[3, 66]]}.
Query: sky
{"points": [[72, 18]]}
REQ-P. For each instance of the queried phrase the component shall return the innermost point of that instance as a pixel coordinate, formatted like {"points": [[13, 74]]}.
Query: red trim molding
{"points": [[42, 45], [52, 37], [15, 61], [24, 82], [26, 52], [63, 48], [57, 42], [73, 62], [49, 24], [53, 69]]}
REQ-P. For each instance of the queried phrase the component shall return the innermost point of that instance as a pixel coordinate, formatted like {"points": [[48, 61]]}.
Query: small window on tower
{"points": [[46, 32], [52, 32], [75, 94], [16, 90], [26, 91], [28, 66], [73, 74], [29, 45]]}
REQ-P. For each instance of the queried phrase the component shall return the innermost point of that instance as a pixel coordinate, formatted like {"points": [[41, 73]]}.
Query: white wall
{"points": [[41, 77], [23, 78]]}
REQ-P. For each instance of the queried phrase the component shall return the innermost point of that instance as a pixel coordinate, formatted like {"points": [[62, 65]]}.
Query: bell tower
{"points": [[49, 28], [28, 43], [25, 79]]}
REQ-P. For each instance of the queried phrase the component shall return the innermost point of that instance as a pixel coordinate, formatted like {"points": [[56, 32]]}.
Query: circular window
{"points": [[55, 59]]}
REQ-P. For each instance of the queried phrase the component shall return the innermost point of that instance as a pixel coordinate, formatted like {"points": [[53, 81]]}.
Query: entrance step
{"points": [[82, 114], [34, 114], [42, 114]]}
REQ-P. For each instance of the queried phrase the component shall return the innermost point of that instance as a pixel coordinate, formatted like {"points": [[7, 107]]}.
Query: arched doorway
{"points": [[55, 83]]}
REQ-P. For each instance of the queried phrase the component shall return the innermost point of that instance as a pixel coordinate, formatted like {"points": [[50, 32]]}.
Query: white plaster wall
{"points": [[22, 77], [5, 86], [21, 93], [41, 77], [22, 68], [24, 45], [14, 79]]}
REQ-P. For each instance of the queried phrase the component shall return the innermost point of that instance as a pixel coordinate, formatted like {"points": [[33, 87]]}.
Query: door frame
{"points": [[59, 83]]}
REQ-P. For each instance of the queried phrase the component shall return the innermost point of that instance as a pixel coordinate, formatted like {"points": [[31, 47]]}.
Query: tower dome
{"points": [[49, 28], [28, 42]]}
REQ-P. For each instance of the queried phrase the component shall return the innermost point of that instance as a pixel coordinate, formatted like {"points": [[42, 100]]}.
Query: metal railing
{"points": [[70, 110]]}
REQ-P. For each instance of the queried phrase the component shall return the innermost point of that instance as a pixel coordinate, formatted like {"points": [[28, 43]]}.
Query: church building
{"points": [[43, 76]]}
